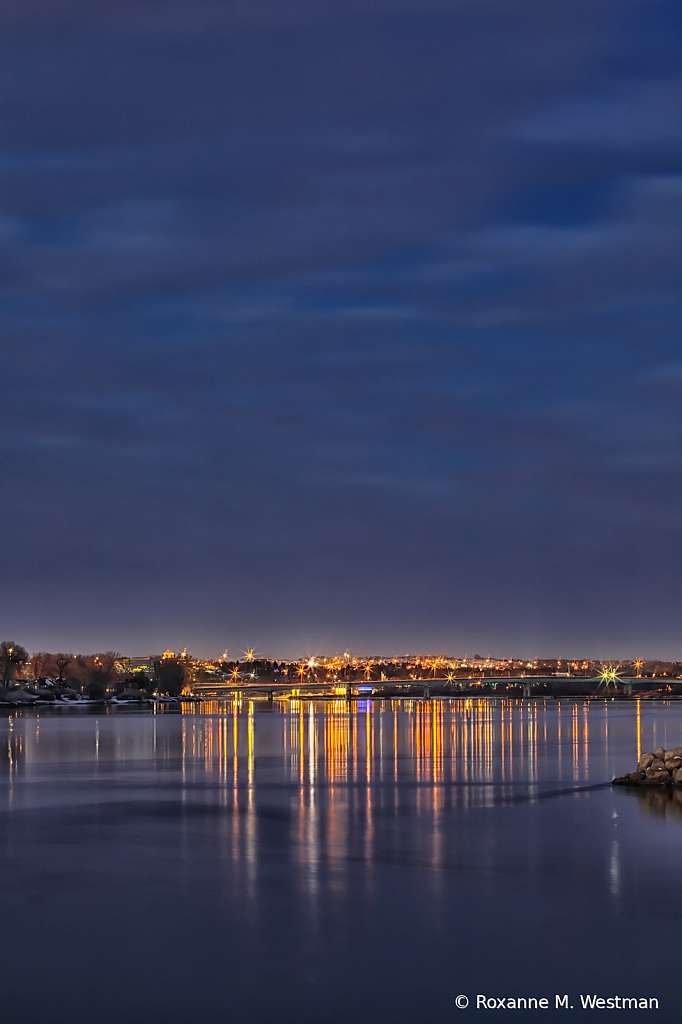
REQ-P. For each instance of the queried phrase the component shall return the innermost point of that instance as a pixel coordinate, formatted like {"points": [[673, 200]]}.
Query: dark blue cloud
{"points": [[333, 326]]}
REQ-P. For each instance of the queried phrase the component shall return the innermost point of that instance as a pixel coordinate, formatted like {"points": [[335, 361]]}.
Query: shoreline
{"points": [[260, 698]]}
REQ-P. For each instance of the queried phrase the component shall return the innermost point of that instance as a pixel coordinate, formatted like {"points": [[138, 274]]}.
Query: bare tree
{"points": [[98, 672], [39, 663], [59, 663], [11, 657]]}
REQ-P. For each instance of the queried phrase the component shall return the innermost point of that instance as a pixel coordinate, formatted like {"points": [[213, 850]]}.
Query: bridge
{"points": [[367, 689]]}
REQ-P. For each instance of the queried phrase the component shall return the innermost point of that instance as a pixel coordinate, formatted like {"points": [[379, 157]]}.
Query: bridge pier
{"points": [[526, 689], [270, 696], [427, 693], [627, 686]]}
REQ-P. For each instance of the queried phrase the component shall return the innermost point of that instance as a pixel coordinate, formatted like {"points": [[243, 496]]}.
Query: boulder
{"points": [[655, 770]]}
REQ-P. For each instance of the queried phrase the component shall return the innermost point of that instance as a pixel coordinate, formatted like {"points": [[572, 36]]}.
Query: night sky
{"points": [[342, 324]]}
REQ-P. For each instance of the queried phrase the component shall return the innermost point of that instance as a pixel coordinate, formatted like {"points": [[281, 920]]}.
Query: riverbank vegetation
{"points": [[61, 676]]}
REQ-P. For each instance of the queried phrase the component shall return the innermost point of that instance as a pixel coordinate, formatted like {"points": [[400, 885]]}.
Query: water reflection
{"points": [[662, 804], [352, 773], [320, 828], [467, 741]]}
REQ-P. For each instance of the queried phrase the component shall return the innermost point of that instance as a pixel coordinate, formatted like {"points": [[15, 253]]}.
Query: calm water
{"points": [[309, 863]]}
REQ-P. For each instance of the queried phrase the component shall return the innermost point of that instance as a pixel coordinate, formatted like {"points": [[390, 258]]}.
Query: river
{"points": [[311, 862]]}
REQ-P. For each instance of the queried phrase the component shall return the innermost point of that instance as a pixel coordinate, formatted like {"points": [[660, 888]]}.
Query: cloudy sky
{"points": [[342, 324]]}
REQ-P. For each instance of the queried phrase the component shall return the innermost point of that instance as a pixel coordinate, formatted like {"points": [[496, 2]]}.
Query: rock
{"points": [[644, 762], [672, 762], [657, 763], [636, 776], [621, 781], [656, 781], [677, 776], [675, 752], [657, 773], [659, 752]]}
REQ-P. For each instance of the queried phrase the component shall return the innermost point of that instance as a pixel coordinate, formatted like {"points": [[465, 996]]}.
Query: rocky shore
{"points": [[662, 768]]}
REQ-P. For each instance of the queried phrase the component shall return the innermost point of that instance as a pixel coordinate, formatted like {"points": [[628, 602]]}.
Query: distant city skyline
{"points": [[291, 653]]}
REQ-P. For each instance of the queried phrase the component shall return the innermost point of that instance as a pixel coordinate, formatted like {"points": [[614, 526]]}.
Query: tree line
{"points": [[93, 674]]}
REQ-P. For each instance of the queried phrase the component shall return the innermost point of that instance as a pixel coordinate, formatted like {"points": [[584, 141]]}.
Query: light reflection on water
{"points": [[466, 753], [340, 836], [480, 741]]}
